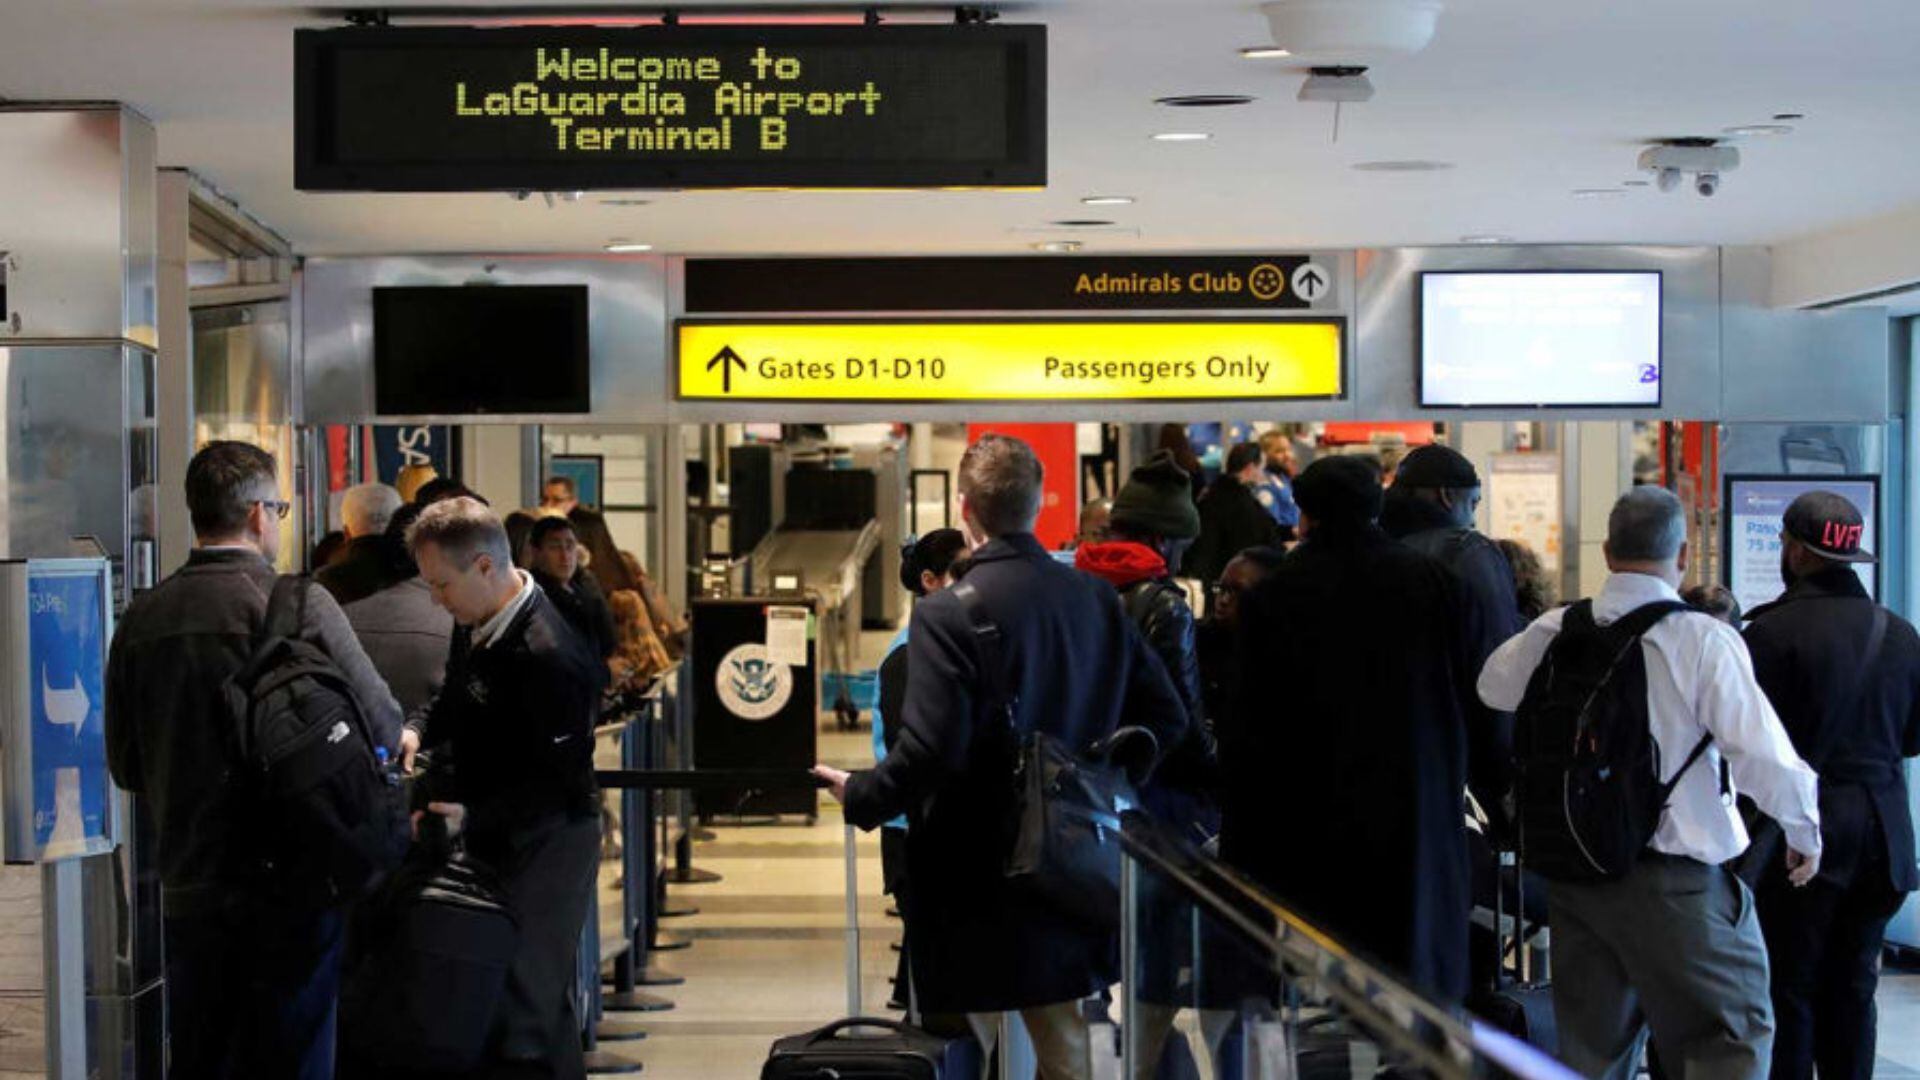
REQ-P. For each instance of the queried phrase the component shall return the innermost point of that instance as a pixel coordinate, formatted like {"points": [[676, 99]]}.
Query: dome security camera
{"points": [[1668, 179], [1706, 184]]}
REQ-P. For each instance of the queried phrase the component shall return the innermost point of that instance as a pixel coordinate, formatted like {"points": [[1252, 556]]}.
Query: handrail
{"points": [[1440, 1039]]}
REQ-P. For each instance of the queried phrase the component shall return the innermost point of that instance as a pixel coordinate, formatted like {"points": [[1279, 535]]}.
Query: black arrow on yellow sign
{"points": [[725, 359]]}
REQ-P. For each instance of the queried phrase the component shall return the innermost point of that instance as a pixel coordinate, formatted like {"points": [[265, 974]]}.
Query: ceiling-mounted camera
{"points": [[1706, 160]]}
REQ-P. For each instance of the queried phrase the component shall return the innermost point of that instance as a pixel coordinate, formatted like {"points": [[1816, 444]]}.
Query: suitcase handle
{"points": [[834, 1029]]}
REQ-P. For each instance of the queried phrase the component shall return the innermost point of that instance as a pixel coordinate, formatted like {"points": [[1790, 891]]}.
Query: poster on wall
{"points": [[392, 447], [1524, 504], [60, 797], [1754, 508]]}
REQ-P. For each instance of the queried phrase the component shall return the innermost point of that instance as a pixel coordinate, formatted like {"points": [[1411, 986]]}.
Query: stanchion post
{"points": [[853, 926]]}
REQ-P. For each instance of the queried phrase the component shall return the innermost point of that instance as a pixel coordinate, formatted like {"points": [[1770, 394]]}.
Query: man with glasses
{"points": [[251, 983]]}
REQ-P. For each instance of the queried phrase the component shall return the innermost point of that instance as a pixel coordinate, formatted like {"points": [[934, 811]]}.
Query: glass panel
{"points": [[242, 390], [1222, 981]]}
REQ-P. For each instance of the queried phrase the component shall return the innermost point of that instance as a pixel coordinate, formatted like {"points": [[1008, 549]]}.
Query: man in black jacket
{"points": [[251, 982], [1075, 669], [1844, 675], [1344, 797], [554, 554], [519, 706], [373, 559], [1430, 509], [1231, 517]]}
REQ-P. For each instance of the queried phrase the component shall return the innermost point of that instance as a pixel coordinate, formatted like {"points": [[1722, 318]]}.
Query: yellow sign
{"points": [[1132, 360]]}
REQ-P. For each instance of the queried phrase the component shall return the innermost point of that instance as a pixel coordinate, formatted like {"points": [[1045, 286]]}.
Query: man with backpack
{"points": [[253, 937], [1638, 719], [1844, 674]]}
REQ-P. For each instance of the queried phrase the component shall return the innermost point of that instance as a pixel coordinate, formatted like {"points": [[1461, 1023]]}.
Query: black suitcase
{"points": [[889, 1051], [1519, 1008]]}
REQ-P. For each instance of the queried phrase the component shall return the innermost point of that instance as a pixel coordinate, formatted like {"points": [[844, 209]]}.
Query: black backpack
{"points": [[329, 817], [1588, 768]]}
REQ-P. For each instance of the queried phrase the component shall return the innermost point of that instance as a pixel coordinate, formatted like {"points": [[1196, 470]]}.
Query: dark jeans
{"points": [[1825, 941], [252, 995]]}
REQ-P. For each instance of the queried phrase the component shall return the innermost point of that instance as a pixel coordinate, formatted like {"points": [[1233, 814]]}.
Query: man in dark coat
{"points": [[373, 560], [554, 557], [1075, 669], [251, 978], [1844, 675], [1430, 509], [1344, 791], [1231, 517], [519, 707]]}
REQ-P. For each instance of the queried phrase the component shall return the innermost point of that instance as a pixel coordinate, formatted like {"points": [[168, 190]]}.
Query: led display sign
{"points": [[599, 108], [1061, 360]]}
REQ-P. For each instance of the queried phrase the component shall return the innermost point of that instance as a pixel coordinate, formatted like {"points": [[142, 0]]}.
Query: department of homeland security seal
{"points": [[751, 686]]}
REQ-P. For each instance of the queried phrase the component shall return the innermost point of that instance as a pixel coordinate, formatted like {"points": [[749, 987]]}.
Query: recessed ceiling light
{"points": [[1083, 223], [1403, 166], [1486, 238], [1598, 192], [627, 247], [1636, 183], [1057, 247], [1203, 101], [1789, 116], [1181, 136], [1265, 52], [1108, 200], [626, 202], [1759, 130]]}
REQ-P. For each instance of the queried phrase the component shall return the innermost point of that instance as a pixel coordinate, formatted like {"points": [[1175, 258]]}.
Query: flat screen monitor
{"points": [[480, 349], [1539, 338]]}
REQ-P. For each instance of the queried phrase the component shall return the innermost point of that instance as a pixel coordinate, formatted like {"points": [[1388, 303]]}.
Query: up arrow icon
{"points": [[725, 360]]}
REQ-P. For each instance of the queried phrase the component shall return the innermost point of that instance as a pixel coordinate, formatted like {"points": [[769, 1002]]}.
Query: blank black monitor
{"points": [[480, 349]]}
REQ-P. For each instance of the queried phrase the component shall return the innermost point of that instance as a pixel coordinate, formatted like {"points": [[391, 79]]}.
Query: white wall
{"points": [[1869, 256]]}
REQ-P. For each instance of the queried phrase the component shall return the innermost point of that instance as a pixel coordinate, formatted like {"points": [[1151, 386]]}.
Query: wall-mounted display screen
{"points": [[1546, 338], [566, 108], [480, 349]]}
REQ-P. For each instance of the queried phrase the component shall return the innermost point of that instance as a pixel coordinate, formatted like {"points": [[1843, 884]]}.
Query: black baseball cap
{"points": [[1829, 526]]}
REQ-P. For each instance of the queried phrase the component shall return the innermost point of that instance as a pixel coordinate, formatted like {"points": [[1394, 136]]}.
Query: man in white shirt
{"points": [[1674, 944]]}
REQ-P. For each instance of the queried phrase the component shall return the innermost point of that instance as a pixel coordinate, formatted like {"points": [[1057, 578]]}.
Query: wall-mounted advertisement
{"points": [[58, 620], [1754, 508], [1524, 504]]}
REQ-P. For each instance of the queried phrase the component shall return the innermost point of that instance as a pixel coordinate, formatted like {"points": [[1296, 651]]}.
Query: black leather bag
{"points": [[425, 995], [1064, 815]]}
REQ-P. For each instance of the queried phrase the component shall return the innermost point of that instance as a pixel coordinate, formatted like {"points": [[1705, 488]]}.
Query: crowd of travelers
{"points": [[461, 661], [1364, 668], [1367, 669]]}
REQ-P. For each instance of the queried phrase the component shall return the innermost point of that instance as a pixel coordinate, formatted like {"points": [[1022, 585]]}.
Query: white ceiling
{"points": [[1529, 98]]}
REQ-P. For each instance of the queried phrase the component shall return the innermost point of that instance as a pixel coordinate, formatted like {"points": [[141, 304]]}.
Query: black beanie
{"points": [[1158, 499], [1341, 489], [1436, 466]]}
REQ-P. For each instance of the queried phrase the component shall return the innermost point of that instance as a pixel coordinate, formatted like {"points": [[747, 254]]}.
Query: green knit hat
{"points": [[1158, 498]]}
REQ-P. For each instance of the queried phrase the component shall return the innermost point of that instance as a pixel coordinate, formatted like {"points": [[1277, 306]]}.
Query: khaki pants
{"points": [[1062, 1046]]}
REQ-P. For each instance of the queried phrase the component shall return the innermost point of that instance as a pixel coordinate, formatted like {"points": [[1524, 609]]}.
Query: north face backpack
{"points": [[1588, 777], [328, 816]]}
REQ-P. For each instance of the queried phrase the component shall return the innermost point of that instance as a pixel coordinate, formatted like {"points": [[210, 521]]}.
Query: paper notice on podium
{"points": [[787, 635]]}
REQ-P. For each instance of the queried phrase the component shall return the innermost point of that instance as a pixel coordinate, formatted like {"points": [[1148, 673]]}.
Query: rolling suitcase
{"points": [[890, 1051], [1521, 1008]]}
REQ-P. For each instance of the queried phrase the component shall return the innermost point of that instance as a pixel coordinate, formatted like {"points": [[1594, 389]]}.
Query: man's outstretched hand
{"points": [[836, 780]]}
